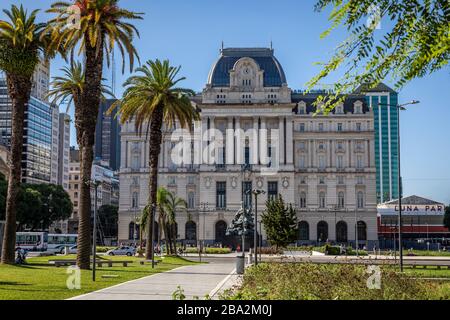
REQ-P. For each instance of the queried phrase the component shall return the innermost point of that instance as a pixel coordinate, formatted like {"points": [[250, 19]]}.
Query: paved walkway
{"points": [[196, 281]]}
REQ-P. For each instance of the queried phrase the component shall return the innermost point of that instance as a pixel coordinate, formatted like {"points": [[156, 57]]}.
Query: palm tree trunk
{"points": [[159, 233], [86, 120], [19, 88], [174, 238], [155, 149]]}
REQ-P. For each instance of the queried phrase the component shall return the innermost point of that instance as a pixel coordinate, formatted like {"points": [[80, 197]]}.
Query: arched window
{"points": [[133, 231], [221, 230], [360, 199], [303, 230], [322, 231], [341, 231], [362, 231], [341, 201], [135, 200], [191, 231], [322, 200], [302, 200]]}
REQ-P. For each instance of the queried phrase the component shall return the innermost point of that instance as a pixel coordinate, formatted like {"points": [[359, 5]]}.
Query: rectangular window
{"points": [[247, 193], [340, 162], [358, 126], [272, 188], [221, 194], [247, 155], [339, 127], [302, 127], [320, 126], [359, 162], [322, 163]]}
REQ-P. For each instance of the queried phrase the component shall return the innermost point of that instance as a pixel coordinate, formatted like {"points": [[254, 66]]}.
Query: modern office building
{"points": [[64, 150], [107, 136], [41, 144], [41, 80], [267, 137], [383, 101]]}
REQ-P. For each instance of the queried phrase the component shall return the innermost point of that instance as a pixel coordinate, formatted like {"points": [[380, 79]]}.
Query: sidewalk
{"points": [[196, 281]]}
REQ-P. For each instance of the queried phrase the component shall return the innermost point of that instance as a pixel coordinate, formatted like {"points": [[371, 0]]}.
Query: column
{"points": [[230, 142], [263, 143], [289, 142], [239, 157], [212, 138], [281, 140], [123, 155], [203, 140], [254, 146]]}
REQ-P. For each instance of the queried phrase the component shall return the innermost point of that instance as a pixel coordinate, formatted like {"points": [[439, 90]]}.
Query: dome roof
{"points": [[274, 76]]}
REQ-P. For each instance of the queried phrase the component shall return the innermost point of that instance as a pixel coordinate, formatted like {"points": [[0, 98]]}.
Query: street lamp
{"points": [[399, 178], [256, 192], [204, 206], [95, 184]]}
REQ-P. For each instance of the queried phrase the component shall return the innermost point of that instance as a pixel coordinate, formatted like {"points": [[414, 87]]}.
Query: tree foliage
{"points": [[108, 216], [280, 222], [417, 44], [39, 204]]}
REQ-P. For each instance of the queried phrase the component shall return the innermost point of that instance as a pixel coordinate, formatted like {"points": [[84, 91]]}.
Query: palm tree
{"points": [[102, 26], [173, 204], [161, 199], [21, 45], [152, 99], [69, 86]]}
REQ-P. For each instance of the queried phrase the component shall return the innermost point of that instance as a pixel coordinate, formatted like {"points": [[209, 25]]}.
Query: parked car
{"points": [[73, 250], [122, 251], [58, 249]]}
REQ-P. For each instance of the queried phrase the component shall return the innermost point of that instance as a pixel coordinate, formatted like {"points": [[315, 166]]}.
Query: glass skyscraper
{"points": [[383, 101], [40, 136]]}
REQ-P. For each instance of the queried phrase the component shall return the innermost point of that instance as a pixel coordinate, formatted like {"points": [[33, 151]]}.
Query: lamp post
{"points": [[256, 192], [153, 224], [204, 206], [95, 184], [399, 177]]}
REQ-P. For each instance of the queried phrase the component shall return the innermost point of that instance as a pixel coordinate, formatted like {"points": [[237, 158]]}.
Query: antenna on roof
{"points": [[222, 44], [271, 44]]}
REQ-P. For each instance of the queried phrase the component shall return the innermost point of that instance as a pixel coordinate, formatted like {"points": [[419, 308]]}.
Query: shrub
{"points": [[102, 249], [209, 250], [270, 250], [307, 281]]}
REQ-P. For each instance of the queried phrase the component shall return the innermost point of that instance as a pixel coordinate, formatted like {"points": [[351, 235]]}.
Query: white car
{"points": [[73, 250], [58, 249], [122, 251]]}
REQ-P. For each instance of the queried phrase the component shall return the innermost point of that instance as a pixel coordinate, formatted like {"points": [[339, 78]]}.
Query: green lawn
{"points": [[38, 280], [428, 253]]}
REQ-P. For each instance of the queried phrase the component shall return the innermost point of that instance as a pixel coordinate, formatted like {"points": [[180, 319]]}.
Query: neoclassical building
{"points": [[258, 133]]}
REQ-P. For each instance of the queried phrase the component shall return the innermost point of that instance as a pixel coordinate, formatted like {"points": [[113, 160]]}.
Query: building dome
{"points": [[274, 76]]}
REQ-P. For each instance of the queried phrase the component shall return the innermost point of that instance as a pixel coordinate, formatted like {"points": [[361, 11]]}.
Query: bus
{"points": [[32, 241], [66, 240]]}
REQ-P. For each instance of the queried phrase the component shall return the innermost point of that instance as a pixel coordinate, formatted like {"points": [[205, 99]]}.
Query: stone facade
{"points": [[323, 165]]}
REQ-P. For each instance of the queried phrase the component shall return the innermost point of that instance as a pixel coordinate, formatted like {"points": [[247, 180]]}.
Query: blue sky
{"points": [[189, 33]]}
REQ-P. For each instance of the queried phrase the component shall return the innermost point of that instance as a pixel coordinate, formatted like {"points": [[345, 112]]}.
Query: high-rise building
{"points": [[107, 136], [40, 158], [64, 150], [41, 80], [383, 101]]}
